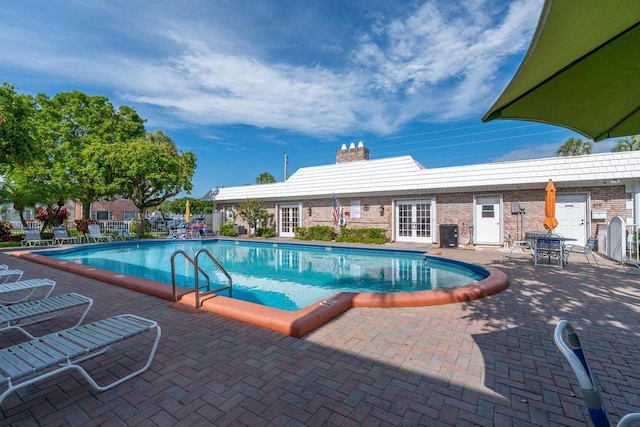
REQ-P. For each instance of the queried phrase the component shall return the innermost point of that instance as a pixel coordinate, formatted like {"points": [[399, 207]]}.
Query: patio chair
{"points": [[522, 244], [194, 232], [630, 266], [179, 234], [21, 287], [569, 346], [61, 236], [586, 250], [32, 238], [96, 234], [17, 316], [25, 364], [6, 274], [124, 234], [549, 247]]}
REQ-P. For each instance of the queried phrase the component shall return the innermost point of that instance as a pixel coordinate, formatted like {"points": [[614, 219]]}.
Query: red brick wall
{"points": [[611, 199], [117, 207], [352, 154], [457, 208]]}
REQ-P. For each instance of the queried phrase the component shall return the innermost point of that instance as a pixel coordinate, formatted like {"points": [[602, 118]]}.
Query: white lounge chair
{"points": [[61, 236], [6, 274], [32, 238], [16, 316], [569, 345], [633, 266], [96, 234], [27, 363], [25, 286]]}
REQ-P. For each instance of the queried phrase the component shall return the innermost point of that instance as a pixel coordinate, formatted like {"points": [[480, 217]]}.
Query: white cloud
{"points": [[535, 150], [440, 62]]}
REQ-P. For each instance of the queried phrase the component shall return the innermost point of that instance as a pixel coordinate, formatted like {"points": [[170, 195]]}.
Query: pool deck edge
{"points": [[292, 323]]}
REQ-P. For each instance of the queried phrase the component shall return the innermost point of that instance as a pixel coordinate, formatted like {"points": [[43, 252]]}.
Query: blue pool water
{"points": [[284, 276]]}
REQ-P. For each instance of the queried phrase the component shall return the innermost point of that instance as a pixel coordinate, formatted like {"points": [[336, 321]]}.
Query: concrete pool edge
{"points": [[292, 323]]}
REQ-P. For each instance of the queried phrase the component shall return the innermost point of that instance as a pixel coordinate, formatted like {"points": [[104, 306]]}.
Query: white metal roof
{"points": [[404, 175]]}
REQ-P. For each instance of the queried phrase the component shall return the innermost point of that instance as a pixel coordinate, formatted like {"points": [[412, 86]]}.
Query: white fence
{"points": [[618, 240], [105, 226]]}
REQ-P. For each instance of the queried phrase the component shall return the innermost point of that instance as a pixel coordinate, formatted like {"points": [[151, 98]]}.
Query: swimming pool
{"points": [[279, 275]]}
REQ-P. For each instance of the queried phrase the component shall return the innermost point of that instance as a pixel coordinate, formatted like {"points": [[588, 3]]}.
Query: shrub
{"points": [[51, 216], [82, 225], [362, 235], [226, 229], [317, 232], [5, 230], [265, 232]]}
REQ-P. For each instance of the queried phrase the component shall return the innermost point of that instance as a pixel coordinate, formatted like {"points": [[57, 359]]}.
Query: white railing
{"points": [[115, 225], [31, 223], [633, 242], [71, 225]]}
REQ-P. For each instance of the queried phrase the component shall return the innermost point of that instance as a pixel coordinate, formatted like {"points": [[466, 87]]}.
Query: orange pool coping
{"points": [[293, 323]]}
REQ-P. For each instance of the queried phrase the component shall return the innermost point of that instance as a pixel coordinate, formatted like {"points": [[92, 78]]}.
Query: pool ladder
{"points": [[197, 270]]}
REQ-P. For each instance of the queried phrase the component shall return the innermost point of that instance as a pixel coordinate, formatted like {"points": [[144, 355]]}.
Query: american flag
{"points": [[336, 210]]}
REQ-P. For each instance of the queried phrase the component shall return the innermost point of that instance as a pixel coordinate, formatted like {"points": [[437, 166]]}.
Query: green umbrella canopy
{"points": [[582, 70]]}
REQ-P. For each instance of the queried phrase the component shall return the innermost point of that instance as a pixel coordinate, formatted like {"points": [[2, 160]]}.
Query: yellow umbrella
{"points": [[187, 215], [550, 222]]}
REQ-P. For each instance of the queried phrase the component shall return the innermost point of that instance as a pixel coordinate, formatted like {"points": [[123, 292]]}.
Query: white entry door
{"points": [[487, 220], [571, 213], [414, 221], [289, 220]]}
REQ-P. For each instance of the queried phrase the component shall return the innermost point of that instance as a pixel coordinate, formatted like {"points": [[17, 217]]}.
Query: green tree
{"points": [[72, 128], [54, 196], [252, 211], [149, 171], [17, 119], [630, 143], [30, 186], [22, 195], [575, 147], [198, 207], [265, 178]]}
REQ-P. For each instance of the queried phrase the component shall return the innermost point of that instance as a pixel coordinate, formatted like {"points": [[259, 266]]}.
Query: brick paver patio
{"points": [[486, 362]]}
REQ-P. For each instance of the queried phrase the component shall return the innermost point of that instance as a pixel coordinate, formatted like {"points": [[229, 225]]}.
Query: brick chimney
{"points": [[353, 153]]}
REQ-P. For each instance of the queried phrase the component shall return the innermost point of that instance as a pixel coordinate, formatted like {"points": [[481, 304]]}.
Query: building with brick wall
{"points": [[479, 203], [116, 209]]}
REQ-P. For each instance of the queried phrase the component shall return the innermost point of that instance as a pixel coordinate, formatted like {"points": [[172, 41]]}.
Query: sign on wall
{"points": [[355, 209]]}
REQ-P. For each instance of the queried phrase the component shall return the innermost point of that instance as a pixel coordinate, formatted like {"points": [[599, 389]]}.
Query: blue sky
{"points": [[241, 83]]}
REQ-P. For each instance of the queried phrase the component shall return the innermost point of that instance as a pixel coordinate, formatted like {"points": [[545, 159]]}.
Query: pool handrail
{"points": [[209, 290], [197, 270], [173, 272]]}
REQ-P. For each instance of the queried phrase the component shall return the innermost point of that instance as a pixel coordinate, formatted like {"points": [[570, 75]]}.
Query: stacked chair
{"points": [[25, 363]]}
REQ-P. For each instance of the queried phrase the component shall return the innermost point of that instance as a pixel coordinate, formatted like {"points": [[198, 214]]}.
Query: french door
{"points": [[414, 220], [289, 216]]}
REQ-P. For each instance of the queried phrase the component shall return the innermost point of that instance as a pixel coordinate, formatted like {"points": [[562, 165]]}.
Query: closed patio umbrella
{"points": [[582, 70], [550, 222], [187, 214]]}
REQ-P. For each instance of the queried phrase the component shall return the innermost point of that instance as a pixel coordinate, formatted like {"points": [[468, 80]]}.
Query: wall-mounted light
{"points": [[381, 210], [365, 208], [309, 210]]}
